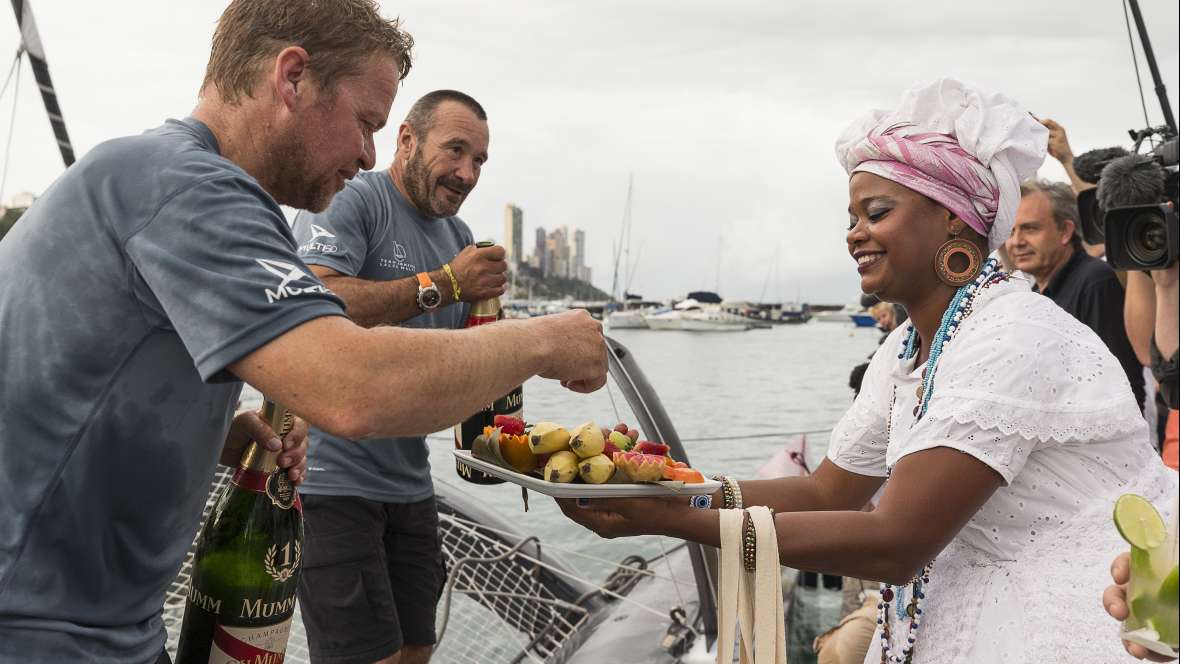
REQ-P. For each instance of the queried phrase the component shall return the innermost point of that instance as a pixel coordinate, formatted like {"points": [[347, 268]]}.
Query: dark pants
{"points": [[372, 576]]}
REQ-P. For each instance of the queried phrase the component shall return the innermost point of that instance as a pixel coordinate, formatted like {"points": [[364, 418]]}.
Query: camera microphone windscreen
{"points": [[1089, 164], [1131, 180]]}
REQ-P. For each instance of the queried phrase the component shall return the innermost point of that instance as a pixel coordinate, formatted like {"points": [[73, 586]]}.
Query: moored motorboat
{"points": [[863, 320], [626, 319]]}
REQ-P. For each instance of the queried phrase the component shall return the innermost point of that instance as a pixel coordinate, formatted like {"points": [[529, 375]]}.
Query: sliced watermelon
{"points": [[513, 426], [648, 447]]}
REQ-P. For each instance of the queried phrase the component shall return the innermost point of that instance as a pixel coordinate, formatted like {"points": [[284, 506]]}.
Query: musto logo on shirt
{"points": [[319, 242], [288, 274]]}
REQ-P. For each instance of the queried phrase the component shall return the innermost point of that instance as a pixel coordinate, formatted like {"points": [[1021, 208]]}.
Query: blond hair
{"points": [[338, 35]]}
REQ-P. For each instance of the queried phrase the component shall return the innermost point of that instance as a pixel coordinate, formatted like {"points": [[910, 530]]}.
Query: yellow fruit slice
{"points": [[1139, 522]]}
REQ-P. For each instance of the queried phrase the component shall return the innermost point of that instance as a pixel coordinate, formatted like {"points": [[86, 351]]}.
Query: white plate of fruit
{"points": [[586, 461]]}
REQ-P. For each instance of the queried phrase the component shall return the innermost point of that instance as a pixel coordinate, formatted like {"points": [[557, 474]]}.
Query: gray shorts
{"points": [[373, 573]]}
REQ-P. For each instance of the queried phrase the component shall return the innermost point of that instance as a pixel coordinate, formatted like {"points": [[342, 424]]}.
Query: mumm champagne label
{"points": [[235, 639], [248, 645], [249, 629]]}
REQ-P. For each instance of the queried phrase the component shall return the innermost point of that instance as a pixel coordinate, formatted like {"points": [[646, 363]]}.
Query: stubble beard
{"points": [[419, 189], [292, 182]]}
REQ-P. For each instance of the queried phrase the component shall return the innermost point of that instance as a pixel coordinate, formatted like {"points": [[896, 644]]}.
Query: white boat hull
{"points": [[664, 322], [626, 320], [713, 325], [832, 317]]}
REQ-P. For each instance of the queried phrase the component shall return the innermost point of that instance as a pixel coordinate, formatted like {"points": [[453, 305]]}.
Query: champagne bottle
{"points": [[241, 594], [482, 313]]}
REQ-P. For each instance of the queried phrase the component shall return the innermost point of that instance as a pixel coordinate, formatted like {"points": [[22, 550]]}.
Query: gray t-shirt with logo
{"points": [[126, 290], [372, 232]]}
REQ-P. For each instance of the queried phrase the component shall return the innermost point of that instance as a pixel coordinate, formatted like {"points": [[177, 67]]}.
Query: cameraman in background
{"points": [[1083, 170], [1134, 207], [1136, 211]]}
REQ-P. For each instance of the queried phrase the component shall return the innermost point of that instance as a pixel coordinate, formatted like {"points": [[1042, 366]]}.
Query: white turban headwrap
{"points": [[965, 147]]}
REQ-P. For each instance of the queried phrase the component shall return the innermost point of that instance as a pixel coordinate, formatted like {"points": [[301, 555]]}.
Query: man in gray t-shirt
{"points": [[128, 294], [156, 275], [392, 249]]}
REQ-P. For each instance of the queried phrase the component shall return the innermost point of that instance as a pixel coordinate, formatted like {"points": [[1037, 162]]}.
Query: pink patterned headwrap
{"points": [[965, 147], [934, 165]]}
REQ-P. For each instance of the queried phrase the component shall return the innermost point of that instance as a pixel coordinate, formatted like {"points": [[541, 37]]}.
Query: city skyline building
{"points": [[513, 234], [578, 254], [541, 256], [557, 253]]}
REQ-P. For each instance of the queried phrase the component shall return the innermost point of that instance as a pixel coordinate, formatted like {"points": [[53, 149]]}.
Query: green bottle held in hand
{"points": [[241, 595]]}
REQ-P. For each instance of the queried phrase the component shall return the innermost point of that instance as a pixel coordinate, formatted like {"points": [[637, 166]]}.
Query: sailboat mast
{"points": [[31, 44], [627, 241], [624, 239]]}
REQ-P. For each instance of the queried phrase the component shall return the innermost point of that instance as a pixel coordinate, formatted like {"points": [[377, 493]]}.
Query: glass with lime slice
{"points": [[1152, 594]]}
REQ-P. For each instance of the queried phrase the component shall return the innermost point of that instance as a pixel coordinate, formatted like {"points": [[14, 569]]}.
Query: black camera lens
{"points": [[1147, 238], [1092, 217]]}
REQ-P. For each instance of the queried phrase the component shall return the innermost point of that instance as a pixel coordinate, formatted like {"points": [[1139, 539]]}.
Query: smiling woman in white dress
{"points": [[1005, 427]]}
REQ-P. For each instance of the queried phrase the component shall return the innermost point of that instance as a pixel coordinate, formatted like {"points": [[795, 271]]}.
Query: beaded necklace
{"points": [[956, 312]]}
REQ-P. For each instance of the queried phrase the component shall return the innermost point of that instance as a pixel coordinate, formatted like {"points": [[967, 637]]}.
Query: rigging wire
{"points": [[747, 436], [754, 436], [11, 70], [12, 121], [610, 393], [643, 571], [671, 572], [1135, 62]]}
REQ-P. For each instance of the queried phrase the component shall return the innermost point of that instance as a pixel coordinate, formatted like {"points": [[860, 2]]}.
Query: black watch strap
{"points": [[1164, 372]]}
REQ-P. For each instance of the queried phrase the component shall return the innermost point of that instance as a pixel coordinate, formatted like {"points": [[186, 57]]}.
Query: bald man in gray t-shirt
{"points": [[393, 250]]}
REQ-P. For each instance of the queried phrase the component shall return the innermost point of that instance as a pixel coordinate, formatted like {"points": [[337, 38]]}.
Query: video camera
{"points": [[1133, 209]]}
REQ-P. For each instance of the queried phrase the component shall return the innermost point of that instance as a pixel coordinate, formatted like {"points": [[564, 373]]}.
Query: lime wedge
{"points": [[1144, 607], [1138, 522], [1141, 564], [1170, 589], [1168, 631]]}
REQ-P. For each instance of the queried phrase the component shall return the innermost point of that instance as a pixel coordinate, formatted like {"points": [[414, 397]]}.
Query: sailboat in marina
{"points": [[631, 311]]}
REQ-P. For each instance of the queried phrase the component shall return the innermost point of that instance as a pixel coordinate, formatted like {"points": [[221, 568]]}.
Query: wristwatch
{"points": [[429, 296]]}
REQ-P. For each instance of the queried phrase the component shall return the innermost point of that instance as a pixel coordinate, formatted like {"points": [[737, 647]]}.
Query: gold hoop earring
{"points": [[950, 251]]}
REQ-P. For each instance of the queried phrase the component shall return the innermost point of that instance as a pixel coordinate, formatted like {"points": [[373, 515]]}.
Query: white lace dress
{"points": [[1034, 394]]}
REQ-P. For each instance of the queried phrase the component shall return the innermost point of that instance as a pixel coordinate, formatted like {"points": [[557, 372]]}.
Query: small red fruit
{"points": [[510, 425], [609, 450], [621, 428], [648, 447], [633, 434], [606, 432]]}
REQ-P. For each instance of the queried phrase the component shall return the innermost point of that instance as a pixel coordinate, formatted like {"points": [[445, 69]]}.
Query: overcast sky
{"points": [[725, 112]]}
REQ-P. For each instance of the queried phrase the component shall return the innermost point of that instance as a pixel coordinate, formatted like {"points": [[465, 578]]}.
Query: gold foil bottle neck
{"points": [[491, 306], [258, 458], [486, 308]]}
